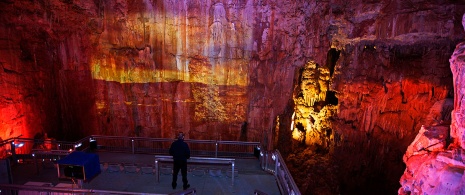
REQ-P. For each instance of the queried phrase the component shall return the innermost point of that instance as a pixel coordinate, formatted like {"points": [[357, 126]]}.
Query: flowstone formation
{"points": [[435, 160], [312, 134], [311, 125]]}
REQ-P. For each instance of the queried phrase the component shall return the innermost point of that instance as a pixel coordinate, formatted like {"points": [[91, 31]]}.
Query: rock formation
{"points": [[152, 68], [435, 159]]}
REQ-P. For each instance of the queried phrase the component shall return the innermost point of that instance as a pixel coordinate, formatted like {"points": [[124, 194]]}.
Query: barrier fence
{"points": [[197, 160], [12, 189], [23, 149], [273, 162]]}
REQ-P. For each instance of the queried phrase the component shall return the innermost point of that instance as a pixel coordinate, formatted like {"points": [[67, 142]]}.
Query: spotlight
{"points": [[78, 145], [273, 157], [18, 145]]}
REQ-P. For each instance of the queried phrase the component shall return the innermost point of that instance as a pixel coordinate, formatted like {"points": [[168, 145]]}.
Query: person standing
{"points": [[180, 152]]}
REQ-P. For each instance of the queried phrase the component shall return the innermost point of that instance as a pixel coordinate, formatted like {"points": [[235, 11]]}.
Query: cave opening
{"points": [[331, 59]]}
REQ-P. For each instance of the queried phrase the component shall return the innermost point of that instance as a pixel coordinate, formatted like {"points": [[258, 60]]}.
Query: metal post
{"points": [[58, 168], [132, 143], [157, 170], [232, 174], [37, 165], [216, 149], [13, 152], [276, 164], [266, 161]]}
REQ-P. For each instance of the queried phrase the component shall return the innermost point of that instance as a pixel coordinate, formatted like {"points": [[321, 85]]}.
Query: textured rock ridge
{"points": [[435, 160]]}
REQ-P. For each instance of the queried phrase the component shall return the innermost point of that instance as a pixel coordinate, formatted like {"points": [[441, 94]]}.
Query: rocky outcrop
{"points": [[385, 84], [435, 159]]}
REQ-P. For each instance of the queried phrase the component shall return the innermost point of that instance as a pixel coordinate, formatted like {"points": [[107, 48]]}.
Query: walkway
{"points": [[132, 173]]}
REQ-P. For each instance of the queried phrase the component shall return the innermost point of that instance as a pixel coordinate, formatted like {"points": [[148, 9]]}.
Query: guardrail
{"points": [[21, 148], [196, 160], [274, 163], [25, 189], [143, 145]]}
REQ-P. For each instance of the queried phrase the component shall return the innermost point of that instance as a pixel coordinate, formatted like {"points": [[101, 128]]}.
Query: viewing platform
{"points": [[125, 171], [128, 173]]}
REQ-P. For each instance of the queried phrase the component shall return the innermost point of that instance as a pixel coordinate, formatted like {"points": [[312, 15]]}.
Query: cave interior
{"points": [[352, 93]]}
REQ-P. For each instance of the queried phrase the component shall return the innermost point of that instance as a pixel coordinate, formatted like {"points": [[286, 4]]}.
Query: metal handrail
{"points": [[216, 161], [270, 161], [274, 163], [7, 141], [145, 145], [16, 187]]}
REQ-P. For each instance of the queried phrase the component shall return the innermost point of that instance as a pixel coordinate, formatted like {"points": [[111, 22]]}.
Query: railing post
{"points": [[266, 161], [157, 170], [13, 152], [276, 163], [35, 163], [132, 143], [232, 174], [216, 149]]}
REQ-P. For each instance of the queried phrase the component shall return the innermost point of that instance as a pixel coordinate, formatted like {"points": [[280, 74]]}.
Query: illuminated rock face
{"points": [[457, 64], [130, 68], [151, 68], [313, 111], [391, 77], [435, 159]]}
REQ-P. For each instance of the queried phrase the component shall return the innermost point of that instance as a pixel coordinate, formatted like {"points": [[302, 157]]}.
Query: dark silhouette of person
{"points": [[180, 152]]}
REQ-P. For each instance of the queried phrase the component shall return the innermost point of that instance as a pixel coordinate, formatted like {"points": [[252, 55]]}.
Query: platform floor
{"points": [[132, 173]]}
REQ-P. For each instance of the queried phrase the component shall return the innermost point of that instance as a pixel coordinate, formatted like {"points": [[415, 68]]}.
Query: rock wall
{"points": [[152, 68], [142, 68], [434, 159], [389, 74]]}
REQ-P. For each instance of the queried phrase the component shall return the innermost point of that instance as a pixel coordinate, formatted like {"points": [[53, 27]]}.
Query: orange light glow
{"points": [[154, 46]]}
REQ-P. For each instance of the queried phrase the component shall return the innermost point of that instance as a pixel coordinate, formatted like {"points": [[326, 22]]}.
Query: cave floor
{"points": [[133, 173]]}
